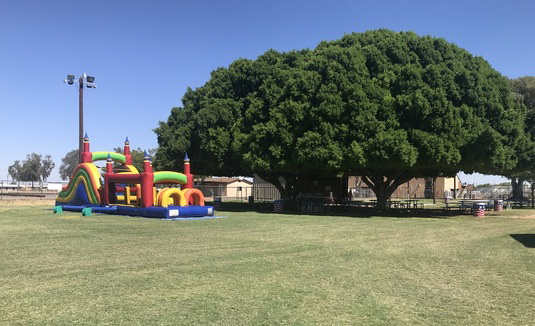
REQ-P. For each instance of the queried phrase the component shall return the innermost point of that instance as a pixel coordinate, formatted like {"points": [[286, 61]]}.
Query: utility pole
{"points": [[81, 117], [89, 82]]}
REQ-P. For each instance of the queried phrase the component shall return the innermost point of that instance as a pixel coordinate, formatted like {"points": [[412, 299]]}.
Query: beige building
{"points": [[355, 188], [415, 188], [225, 187]]}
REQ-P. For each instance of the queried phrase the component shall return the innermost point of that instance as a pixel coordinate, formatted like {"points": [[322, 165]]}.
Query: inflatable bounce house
{"points": [[122, 190]]}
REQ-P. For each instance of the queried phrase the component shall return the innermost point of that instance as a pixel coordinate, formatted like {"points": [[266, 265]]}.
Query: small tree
{"points": [[15, 171], [138, 155], [68, 164], [34, 168], [47, 165], [31, 168]]}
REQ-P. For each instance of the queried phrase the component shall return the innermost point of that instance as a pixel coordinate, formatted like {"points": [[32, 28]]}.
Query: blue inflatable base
{"points": [[192, 218], [167, 212], [151, 211]]}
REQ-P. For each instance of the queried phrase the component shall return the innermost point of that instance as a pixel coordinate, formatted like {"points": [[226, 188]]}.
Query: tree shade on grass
{"points": [[264, 269], [384, 105]]}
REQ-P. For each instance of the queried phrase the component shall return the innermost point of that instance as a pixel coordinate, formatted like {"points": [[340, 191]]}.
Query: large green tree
{"points": [[385, 105], [524, 91]]}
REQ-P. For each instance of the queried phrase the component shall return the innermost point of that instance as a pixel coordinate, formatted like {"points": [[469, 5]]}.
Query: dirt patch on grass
{"points": [[521, 213], [27, 202], [524, 217]]}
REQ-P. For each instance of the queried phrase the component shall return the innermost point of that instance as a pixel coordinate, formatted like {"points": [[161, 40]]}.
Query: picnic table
{"points": [[449, 205], [466, 204], [362, 203], [314, 204], [395, 204], [519, 203], [412, 203]]}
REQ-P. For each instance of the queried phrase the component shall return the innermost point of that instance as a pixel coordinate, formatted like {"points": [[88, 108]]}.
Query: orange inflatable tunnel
{"points": [[194, 197]]}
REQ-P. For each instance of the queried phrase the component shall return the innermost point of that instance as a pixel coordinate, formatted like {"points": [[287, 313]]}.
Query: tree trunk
{"points": [[434, 186], [382, 196], [521, 188], [288, 191], [344, 189], [532, 194], [518, 191], [384, 184]]}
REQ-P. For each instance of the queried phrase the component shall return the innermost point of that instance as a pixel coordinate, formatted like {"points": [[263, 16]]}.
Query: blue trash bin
{"points": [[278, 205], [498, 205], [218, 202], [478, 210]]}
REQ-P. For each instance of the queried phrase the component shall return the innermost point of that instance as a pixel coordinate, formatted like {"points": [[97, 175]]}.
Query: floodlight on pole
{"points": [[69, 79], [89, 82]]}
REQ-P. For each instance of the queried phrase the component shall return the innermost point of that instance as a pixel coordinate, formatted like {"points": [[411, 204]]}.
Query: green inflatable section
{"points": [[103, 156], [170, 177]]}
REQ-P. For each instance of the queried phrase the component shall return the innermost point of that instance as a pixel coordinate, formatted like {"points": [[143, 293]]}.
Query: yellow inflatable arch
{"points": [[174, 196], [177, 197]]}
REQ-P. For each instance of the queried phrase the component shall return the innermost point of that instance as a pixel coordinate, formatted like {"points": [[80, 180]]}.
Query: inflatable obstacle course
{"points": [[123, 190]]}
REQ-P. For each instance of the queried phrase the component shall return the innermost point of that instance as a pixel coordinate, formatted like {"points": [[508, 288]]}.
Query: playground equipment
{"points": [[123, 190]]}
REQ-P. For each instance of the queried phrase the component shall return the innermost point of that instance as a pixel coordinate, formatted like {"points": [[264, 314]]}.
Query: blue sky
{"points": [[144, 54]]}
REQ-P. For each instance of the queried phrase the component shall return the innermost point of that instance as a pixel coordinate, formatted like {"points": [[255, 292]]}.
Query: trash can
{"points": [[217, 202], [478, 210], [251, 199], [278, 205], [498, 205]]}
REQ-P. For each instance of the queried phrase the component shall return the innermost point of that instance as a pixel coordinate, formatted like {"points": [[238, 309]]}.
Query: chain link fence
{"points": [[240, 194]]}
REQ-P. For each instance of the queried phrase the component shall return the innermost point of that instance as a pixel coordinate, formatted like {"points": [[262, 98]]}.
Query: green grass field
{"points": [[265, 269]]}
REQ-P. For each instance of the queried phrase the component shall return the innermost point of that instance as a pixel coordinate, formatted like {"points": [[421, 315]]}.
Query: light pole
{"points": [[89, 82]]}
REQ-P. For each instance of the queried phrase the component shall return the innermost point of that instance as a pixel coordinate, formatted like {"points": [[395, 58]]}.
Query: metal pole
{"points": [[455, 187], [81, 118]]}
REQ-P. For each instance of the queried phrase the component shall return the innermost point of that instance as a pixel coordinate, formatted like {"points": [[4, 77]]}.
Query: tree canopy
{"points": [[524, 91], [388, 106]]}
